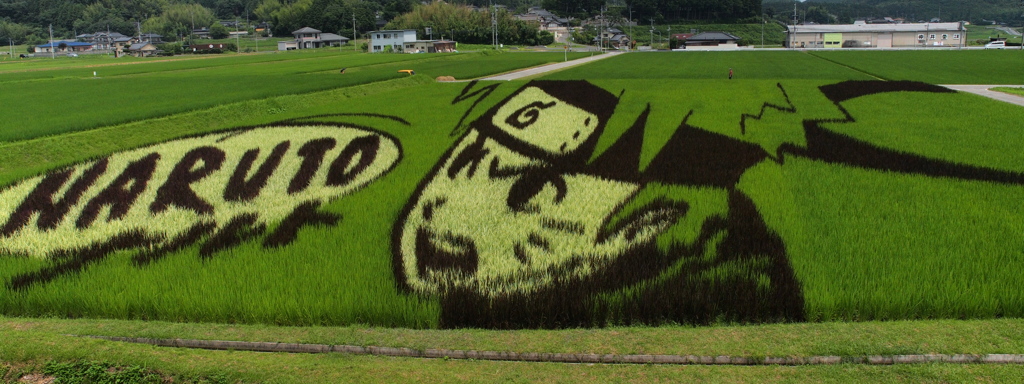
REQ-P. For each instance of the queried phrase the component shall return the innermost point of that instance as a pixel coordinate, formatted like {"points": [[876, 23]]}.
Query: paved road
{"points": [[983, 90], [549, 67]]}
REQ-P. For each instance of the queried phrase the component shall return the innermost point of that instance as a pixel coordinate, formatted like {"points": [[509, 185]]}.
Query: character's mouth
{"points": [[654, 217], [445, 254]]}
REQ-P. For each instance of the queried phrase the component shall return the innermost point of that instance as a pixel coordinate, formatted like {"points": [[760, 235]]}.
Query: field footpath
{"points": [[550, 67], [985, 90], [573, 358]]}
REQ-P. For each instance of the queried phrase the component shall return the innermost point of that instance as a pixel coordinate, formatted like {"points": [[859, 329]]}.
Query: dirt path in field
{"points": [[548, 68], [984, 90]]}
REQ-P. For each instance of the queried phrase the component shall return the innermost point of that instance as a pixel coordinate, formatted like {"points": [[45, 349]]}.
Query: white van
{"points": [[996, 45]]}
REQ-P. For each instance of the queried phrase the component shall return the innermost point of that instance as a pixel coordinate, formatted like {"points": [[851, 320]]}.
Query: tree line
{"points": [[28, 21]]}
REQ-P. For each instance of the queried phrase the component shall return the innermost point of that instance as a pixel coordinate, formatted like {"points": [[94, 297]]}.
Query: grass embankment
{"points": [[136, 92], [982, 34], [935, 67], [27, 343], [1010, 90]]}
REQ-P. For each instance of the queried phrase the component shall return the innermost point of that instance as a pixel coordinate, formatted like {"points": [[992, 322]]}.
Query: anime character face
{"points": [[507, 210]]}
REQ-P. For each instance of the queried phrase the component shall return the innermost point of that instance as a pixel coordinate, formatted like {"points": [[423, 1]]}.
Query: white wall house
{"points": [[395, 39]]}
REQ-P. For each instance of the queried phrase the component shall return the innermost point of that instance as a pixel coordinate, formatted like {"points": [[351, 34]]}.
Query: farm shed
{"points": [[429, 46], [142, 49], [285, 45], [207, 48], [865, 35]]}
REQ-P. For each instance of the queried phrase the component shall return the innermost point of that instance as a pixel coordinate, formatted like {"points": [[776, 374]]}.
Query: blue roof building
{"points": [[70, 46]]}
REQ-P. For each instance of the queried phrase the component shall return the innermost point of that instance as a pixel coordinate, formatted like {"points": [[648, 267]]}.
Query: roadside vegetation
{"points": [[1011, 90]]}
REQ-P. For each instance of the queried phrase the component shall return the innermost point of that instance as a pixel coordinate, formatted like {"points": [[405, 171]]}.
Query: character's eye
{"points": [[428, 208], [530, 184], [526, 116]]}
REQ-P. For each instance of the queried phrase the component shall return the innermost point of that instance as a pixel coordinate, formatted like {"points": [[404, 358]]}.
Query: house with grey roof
{"points": [[712, 40], [547, 21], [105, 40], [142, 49], [867, 35], [309, 38]]}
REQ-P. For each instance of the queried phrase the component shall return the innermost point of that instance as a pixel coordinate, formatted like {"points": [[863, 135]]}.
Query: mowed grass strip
{"points": [[25, 343], [761, 65], [845, 339], [81, 102], [28, 347], [988, 66]]}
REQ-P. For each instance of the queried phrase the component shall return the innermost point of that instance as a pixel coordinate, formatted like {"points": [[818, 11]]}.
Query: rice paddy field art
{"points": [[552, 203]]}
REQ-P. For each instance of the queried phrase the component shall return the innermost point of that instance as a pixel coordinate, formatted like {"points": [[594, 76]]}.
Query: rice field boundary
{"points": [[571, 358]]}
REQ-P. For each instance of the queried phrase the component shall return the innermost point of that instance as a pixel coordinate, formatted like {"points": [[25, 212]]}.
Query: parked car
{"points": [[996, 45], [72, 55]]}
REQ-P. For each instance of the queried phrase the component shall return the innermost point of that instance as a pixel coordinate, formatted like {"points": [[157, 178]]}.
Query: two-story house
{"points": [[391, 40], [308, 38]]}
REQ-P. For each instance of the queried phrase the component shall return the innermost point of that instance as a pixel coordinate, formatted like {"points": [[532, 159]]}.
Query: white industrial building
{"points": [[864, 35]]}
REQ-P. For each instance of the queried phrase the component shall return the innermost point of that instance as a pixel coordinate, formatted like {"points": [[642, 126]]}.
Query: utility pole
{"points": [[52, 54], [600, 34], [793, 41], [652, 34], [354, 42], [494, 25], [238, 47], [631, 36]]}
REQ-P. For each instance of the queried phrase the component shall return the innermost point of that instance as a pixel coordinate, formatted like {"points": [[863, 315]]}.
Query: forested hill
{"points": [[846, 11]]}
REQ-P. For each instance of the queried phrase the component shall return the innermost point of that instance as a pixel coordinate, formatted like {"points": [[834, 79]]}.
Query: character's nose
{"points": [[445, 253]]}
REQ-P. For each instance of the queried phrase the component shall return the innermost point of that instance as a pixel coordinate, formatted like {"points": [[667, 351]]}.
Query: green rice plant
{"points": [[859, 241], [936, 67], [136, 92], [775, 66]]}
